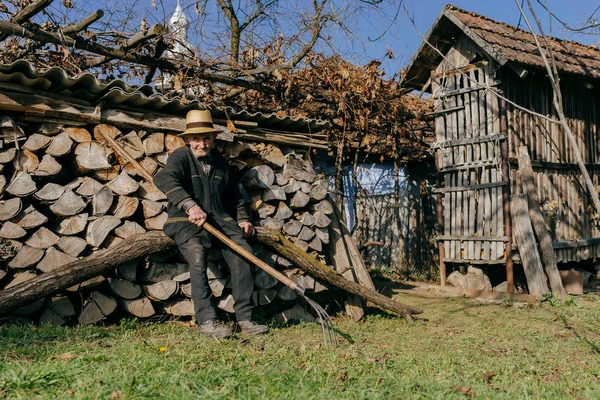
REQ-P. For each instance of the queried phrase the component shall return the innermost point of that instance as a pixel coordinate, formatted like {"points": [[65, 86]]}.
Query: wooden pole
{"points": [[539, 225], [536, 280], [440, 220], [510, 285]]}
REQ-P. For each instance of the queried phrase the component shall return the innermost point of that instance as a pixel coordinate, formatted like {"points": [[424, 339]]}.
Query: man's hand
{"points": [[196, 215], [247, 228]]}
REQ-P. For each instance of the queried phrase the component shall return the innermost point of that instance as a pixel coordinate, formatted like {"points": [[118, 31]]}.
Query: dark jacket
{"points": [[217, 194]]}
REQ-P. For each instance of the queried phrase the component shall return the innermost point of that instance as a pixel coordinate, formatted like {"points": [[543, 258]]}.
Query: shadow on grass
{"points": [[580, 335]]}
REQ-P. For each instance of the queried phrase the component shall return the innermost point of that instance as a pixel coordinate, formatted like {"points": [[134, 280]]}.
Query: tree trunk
{"points": [[324, 273], [100, 263]]}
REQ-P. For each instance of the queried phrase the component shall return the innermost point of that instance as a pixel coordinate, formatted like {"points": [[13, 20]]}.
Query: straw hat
{"points": [[198, 122]]}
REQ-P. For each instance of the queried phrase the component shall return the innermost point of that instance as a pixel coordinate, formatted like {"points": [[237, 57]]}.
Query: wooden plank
{"points": [[474, 262], [471, 187], [535, 215], [472, 238], [469, 87], [473, 140], [471, 167], [536, 280], [444, 111]]}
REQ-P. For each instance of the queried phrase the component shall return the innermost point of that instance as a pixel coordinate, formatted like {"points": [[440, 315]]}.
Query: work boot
{"points": [[252, 328], [215, 329]]}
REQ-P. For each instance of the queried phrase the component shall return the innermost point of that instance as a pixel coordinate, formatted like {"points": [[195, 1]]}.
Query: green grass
{"points": [[457, 348]]}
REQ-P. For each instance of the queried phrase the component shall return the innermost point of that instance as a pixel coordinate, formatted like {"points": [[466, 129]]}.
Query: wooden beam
{"points": [[473, 238], [573, 244], [469, 187]]}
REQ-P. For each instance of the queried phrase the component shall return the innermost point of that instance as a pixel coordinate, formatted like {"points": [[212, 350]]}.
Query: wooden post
{"points": [[536, 280], [541, 230], [510, 285], [440, 220]]}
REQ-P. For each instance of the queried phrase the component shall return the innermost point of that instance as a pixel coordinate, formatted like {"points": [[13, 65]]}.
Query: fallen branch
{"points": [[320, 271]]}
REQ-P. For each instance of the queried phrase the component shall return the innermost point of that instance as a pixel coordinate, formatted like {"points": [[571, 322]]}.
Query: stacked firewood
{"points": [[66, 194]]}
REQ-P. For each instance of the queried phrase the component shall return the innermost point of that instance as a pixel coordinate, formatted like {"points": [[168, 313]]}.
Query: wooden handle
{"points": [[211, 229]]}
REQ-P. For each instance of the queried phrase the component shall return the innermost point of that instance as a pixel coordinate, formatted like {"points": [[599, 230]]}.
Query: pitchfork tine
{"points": [[329, 336]]}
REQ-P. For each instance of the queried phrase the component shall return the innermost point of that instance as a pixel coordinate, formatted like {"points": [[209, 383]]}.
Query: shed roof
{"points": [[90, 89], [506, 44]]}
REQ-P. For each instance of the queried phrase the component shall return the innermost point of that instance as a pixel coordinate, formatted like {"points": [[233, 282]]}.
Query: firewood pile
{"points": [[66, 195]]}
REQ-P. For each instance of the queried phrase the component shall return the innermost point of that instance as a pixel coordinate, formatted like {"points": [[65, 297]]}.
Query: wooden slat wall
{"points": [[560, 186], [474, 114]]}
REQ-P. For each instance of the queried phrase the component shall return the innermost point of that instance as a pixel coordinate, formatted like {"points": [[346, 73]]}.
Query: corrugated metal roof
{"points": [[89, 88], [506, 44]]}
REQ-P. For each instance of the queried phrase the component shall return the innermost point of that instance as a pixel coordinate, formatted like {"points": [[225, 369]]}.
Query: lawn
{"points": [[458, 348]]}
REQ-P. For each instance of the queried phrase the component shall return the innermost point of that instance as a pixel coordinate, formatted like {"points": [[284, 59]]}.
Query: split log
{"points": [[124, 289], [319, 189], [101, 262], [185, 289], [78, 135], [72, 225], [75, 183], [151, 208], [299, 200], [182, 308], [30, 218], [72, 245], [102, 201], [19, 278], [217, 286], [266, 210], [141, 308], [182, 277], [150, 192], [162, 291], [28, 161], [226, 304], [323, 206], [68, 204], [129, 229], [92, 156], [298, 173], [263, 280], [306, 233], [132, 144], [58, 311], [2, 181], [158, 272], [108, 174], [273, 156], [36, 142], [320, 271], [286, 294], [22, 185], [541, 230], [259, 177], [11, 230], [89, 187], [173, 142], [128, 270], [299, 243], [26, 257], [273, 193], [8, 155], [54, 260], [283, 211], [525, 239], [149, 164], [31, 308], [281, 180], [156, 223], [321, 220], [154, 144], [291, 187], [47, 167], [50, 192], [322, 234], [9, 208], [307, 219], [61, 145], [125, 207], [43, 238], [316, 244], [305, 187], [123, 184], [213, 270], [162, 158], [98, 229], [292, 227], [97, 307]]}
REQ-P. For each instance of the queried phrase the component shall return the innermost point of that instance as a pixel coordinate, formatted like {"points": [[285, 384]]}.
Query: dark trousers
{"points": [[242, 278]]}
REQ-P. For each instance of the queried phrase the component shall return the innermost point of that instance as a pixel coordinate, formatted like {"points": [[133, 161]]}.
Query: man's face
{"points": [[201, 143]]}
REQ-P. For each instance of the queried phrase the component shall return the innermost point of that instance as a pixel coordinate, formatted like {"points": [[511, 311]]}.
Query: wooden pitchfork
{"points": [[329, 337]]}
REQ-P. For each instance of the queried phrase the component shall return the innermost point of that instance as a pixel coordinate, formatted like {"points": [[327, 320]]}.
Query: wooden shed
{"points": [[477, 71]]}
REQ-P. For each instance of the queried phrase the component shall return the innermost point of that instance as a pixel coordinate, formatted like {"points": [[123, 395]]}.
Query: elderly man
{"points": [[199, 186]]}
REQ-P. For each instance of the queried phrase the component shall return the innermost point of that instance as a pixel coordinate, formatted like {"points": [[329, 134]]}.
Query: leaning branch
{"points": [[26, 13], [84, 23]]}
